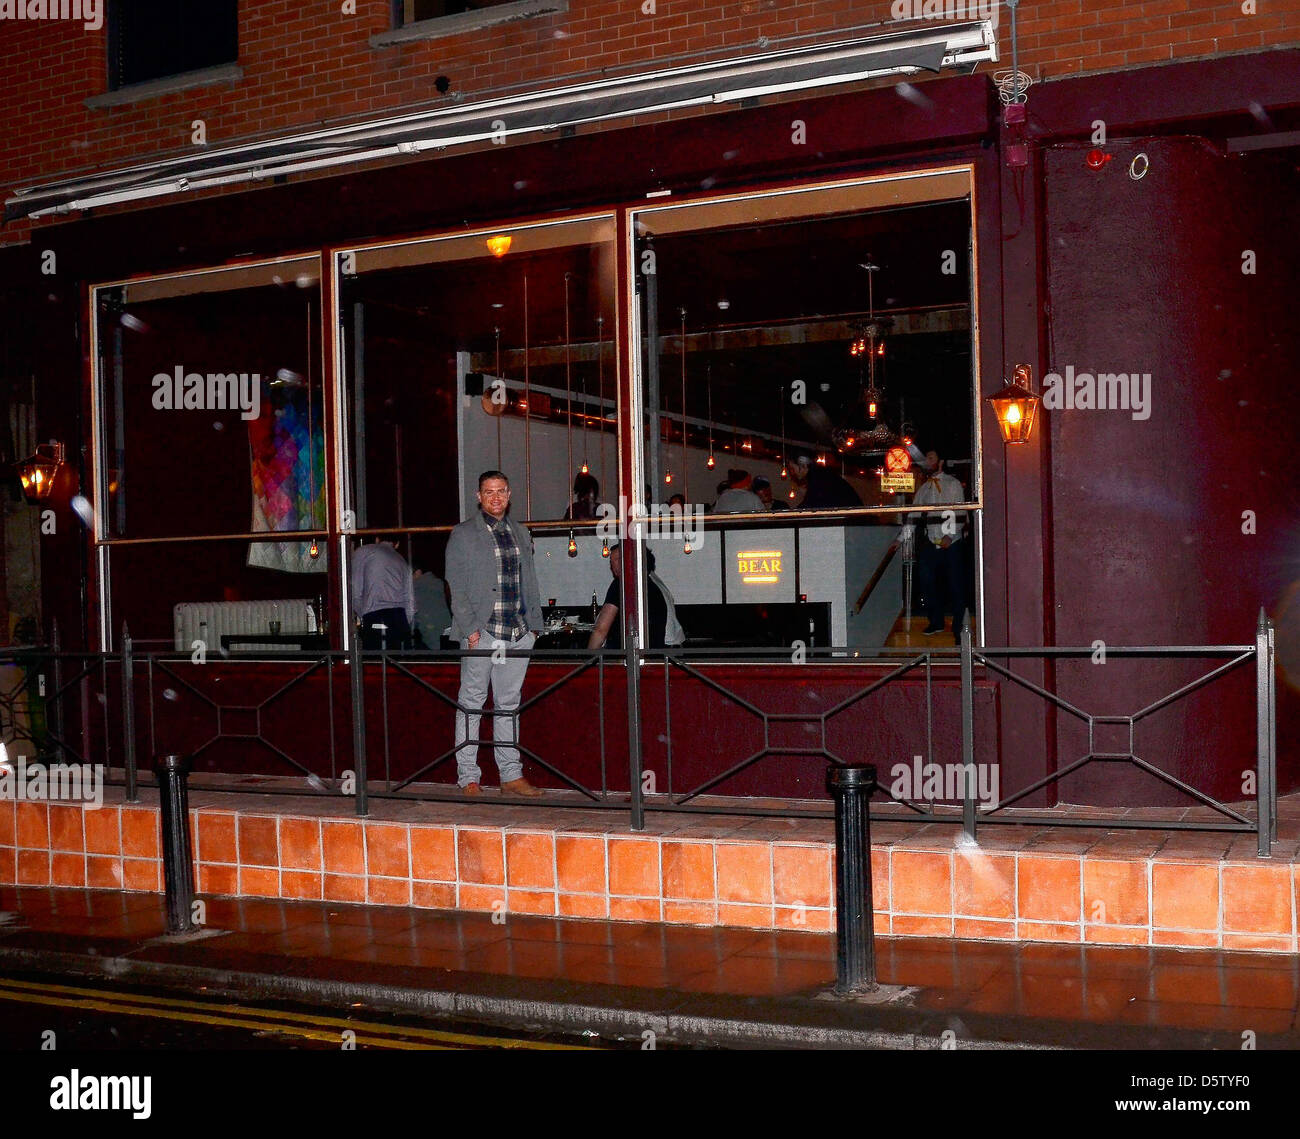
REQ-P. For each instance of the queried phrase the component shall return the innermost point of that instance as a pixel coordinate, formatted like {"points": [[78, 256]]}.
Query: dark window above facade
{"points": [[157, 39], [433, 19]]}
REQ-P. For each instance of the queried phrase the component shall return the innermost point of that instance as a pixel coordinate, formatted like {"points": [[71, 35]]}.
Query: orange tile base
{"points": [[689, 876]]}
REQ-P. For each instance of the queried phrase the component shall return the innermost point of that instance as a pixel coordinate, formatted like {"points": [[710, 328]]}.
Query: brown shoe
{"points": [[521, 787], [472, 789]]}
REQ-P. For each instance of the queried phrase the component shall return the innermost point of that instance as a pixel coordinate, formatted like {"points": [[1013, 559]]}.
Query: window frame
{"points": [[634, 331], [101, 540], [118, 91]]}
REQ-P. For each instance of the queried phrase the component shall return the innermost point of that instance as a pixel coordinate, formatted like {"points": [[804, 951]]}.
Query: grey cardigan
{"points": [[472, 576]]}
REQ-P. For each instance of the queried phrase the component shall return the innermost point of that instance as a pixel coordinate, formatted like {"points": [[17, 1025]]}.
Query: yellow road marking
{"points": [[216, 1021], [145, 1005]]}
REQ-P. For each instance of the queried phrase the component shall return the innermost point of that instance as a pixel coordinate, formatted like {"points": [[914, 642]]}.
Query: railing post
{"points": [[128, 717], [178, 865], [855, 957], [1272, 727], [634, 731], [1263, 735], [967, 728], [358, 723]]}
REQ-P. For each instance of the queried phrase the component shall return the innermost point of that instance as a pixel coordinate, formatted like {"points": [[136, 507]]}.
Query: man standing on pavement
{"points": [[495, 600], [383, 596]]}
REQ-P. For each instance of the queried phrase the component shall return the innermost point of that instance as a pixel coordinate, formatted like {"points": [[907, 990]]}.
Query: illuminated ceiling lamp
{"points": [[1016, 406], [499, 244], [711, 463], [40, 470], [869, 346]]}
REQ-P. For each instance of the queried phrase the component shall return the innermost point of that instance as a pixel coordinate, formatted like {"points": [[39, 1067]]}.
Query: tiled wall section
{"points": [[962, 892]]}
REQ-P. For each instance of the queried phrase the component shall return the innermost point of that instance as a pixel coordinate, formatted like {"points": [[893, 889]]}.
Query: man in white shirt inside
{"points": [[941, 548]]}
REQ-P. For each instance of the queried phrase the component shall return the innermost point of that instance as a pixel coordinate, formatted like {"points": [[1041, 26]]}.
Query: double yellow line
{"points": [[327, 1029]]}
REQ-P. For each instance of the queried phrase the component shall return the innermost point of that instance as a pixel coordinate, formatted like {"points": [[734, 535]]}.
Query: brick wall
{"points": [[307, 63]]}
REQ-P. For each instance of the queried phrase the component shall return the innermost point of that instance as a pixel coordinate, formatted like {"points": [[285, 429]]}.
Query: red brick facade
{"points": [[309, 63]]}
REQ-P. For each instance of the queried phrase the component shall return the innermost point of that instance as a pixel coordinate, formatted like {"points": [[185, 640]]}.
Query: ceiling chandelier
{"points": [[871, 433]]}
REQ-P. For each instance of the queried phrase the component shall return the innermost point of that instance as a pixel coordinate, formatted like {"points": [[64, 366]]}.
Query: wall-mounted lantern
{"points": [[1016, 406], [39, 471]]}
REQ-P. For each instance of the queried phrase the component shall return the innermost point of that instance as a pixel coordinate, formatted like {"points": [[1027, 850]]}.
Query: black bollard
{"points": [[855, 933], [178, 864]]}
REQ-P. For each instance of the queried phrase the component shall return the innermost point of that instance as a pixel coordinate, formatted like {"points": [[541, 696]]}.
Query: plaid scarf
{"points": [[507, 622]]}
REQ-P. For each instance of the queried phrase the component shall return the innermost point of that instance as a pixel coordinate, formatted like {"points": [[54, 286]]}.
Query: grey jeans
{"points": [[506, 680]]}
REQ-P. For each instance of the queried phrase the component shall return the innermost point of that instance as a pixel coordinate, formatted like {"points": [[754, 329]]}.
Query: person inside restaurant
{"points": [[824, 489], [586, 500], [432, 613], [383, 596], [738, 498], [940, 548], [608, 632]]}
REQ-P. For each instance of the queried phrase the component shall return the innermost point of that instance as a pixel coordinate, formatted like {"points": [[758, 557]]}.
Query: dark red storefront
{"points": [[1104, 528]]}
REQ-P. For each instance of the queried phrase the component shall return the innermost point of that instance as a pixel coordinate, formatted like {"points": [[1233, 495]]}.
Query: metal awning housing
{"points": [[904, 52]]}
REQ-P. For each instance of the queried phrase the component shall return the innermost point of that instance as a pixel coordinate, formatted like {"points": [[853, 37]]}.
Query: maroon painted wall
{"points": [[1146, 275]]}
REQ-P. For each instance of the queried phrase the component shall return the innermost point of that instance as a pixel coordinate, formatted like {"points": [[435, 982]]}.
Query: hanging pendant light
{"points": [[785, 472], [686, 471], [313, 550], [709, 385], [600, 381], [568, 399], [573, 545], [868, 346]]}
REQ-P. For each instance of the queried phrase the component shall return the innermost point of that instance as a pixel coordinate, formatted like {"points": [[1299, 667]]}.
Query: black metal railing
{"points": [[333, 731]]}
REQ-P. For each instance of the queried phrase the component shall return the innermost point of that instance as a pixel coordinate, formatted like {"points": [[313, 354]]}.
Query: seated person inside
{"points": [[608, 632]]}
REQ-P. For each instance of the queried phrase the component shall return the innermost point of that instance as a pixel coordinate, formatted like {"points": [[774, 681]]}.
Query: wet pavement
{"points": [[689, 985]]}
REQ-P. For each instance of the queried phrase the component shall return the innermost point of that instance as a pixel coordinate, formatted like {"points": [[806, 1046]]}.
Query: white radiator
{"points": [[209, 621]]}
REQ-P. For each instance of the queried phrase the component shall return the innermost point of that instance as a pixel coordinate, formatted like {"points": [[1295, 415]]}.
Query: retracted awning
{"points": [[955, 46]]}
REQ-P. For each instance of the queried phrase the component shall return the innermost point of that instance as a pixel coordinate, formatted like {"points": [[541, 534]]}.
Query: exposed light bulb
{"points": [[785, 474], [668, 476], [711, 463], [313, 551], [687, 547], [585, 470], [604, 548], [573, 546]]}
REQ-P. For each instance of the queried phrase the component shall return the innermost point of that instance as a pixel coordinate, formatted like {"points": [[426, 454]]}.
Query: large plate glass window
{"points": [[806, 357]]}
